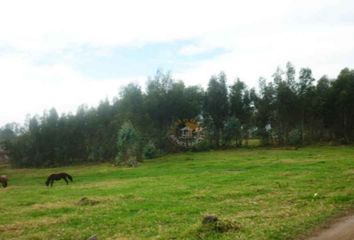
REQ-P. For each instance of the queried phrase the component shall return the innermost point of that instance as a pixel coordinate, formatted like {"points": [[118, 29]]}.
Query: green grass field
{"points": [[268, 193]]}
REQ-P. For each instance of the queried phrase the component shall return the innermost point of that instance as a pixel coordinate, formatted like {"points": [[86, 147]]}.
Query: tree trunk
{"points": [[345, 130], [302, 126], [217, 138]]}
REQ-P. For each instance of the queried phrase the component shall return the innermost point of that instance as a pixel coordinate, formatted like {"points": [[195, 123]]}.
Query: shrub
{"points": [[201, 146], [128, 145], [295, 137], [150, 151]]}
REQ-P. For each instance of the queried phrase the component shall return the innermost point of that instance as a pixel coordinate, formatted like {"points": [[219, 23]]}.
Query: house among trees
{"points": [[191, 129], [186, 132]]}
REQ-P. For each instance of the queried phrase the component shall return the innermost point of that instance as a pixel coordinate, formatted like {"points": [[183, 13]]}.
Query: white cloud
{"points": [[258, 35], [193, 49], [258, 53], [33, 89], [44, 25]]}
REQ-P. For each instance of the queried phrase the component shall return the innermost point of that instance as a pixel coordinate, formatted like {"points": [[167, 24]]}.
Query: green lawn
{"points": [[269, 194]]}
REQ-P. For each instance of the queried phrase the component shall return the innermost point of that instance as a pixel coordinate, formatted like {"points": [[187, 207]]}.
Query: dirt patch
{"points": [[211, 225], [10, 227], [22, 225], [341, 228], [87, 202]]}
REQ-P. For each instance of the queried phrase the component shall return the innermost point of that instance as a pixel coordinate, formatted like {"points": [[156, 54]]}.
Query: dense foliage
{"points": [[289, 109], [129, 146]]}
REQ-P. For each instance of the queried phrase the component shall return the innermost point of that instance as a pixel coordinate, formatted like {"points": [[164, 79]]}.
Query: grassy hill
{"points": [[264, 193]]}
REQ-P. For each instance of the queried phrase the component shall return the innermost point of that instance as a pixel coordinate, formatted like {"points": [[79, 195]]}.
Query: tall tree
{"points": [[240, 106], [343, 96], [265, 111], [286, 102], [166, 102], [232, 131], [323, 109], [305, 96], [216, 103]]}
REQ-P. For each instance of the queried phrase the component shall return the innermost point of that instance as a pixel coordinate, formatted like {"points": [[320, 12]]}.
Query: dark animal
{"points": [[57, 176], [3, 180]]}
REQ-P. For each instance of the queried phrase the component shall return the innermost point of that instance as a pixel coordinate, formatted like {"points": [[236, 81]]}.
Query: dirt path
{"points": [[340, 229]]}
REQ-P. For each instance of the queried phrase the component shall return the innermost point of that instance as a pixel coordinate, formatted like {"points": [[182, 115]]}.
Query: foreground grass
{"points": [[270, 194]]}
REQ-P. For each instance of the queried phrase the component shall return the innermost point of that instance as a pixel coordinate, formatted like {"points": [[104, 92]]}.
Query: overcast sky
{"points": [[65, 53]]}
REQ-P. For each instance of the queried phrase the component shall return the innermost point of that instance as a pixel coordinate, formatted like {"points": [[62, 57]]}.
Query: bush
{"points": [[295, 137], [263, 136], [201, 146], [128, 146], [232, 131], [150, 151]]}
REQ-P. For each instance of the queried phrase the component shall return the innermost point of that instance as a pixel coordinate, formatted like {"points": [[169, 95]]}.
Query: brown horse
{"points": [[3, 180], [57, 176]]}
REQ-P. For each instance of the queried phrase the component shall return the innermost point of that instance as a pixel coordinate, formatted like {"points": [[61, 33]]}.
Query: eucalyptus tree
{"points": [[216, 104], [167, 101], [241, 106], [265, 110], [232, 131], [286, 103], [323, 110], [343, 97], [305, 92]]}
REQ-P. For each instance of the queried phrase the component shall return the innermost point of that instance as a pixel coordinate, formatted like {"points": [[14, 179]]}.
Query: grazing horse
{"points": [[3, 180], [57, 176]]}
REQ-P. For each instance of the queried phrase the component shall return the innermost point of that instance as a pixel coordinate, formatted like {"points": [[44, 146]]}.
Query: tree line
{"points": [[290, 109]]}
